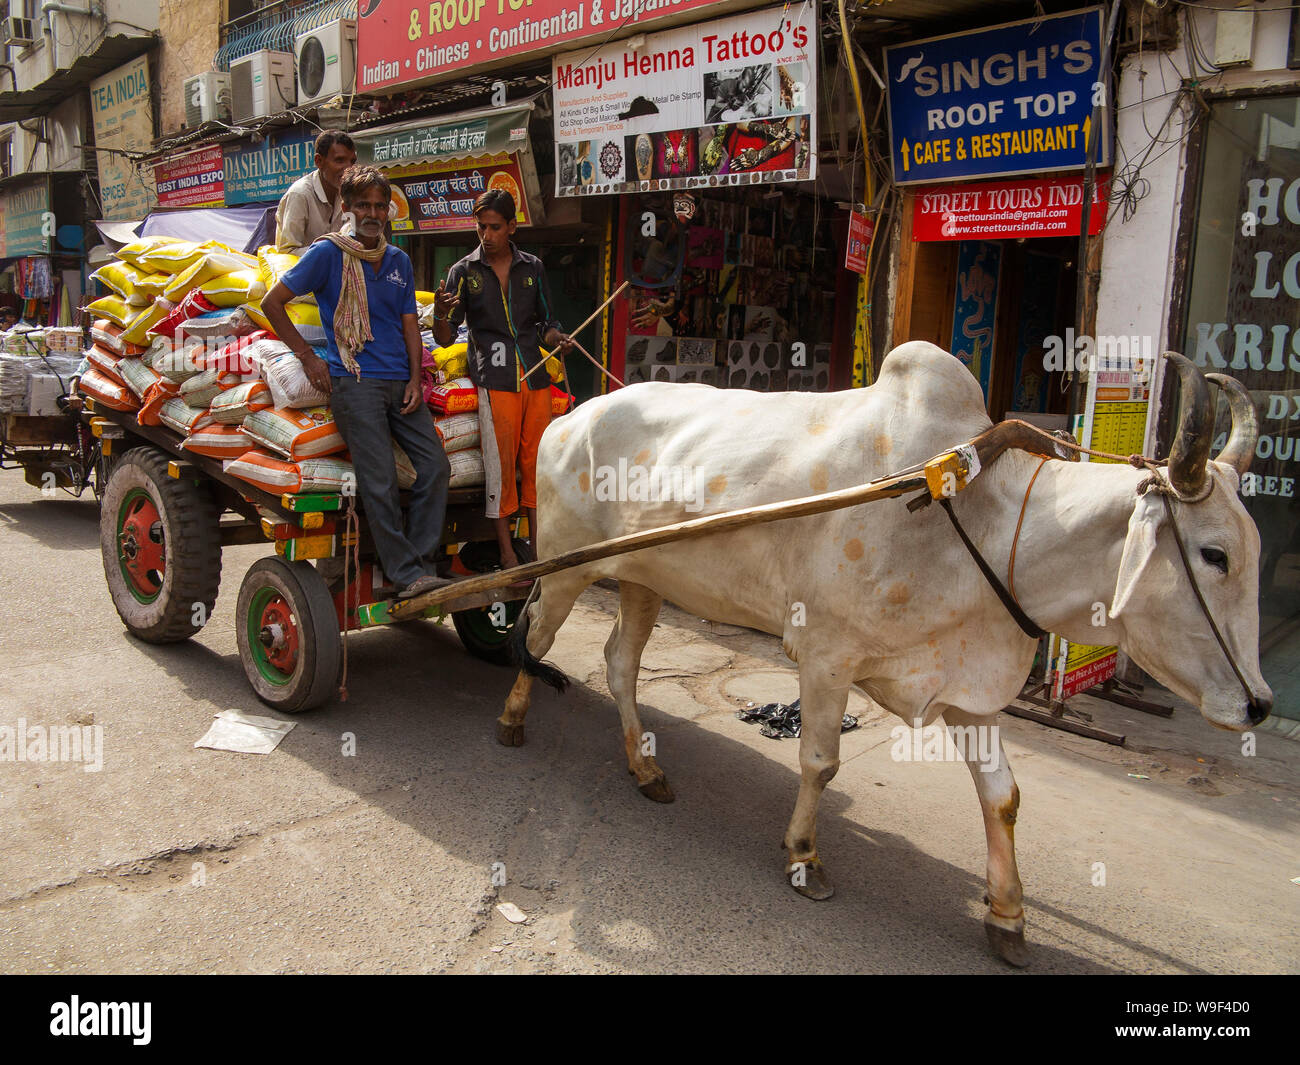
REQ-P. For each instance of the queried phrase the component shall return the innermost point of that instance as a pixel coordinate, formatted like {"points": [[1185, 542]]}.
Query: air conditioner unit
{"points": [[327, 61], [261, 84], [18, 31], [207, 98]]}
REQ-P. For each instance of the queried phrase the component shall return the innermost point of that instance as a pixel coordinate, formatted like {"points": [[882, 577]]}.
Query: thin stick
{"points": [[613, 296]]}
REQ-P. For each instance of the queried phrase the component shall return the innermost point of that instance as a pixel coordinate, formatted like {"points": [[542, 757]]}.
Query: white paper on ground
{"points": [[244, 733]]}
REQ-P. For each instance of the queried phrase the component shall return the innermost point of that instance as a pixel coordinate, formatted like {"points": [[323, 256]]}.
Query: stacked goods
{"points": [[64, 339]]}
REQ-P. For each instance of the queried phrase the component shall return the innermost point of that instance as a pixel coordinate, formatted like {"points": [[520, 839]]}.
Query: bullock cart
{"points": [[166, 513]]}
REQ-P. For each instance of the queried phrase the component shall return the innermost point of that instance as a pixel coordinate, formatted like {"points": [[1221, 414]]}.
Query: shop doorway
{"points": [[996, 305]]}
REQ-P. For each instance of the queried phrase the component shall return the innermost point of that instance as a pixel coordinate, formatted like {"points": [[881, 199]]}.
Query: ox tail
{"points": [[523, 658]]}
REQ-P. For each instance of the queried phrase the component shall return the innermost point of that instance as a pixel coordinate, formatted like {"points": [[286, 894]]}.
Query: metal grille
{"points": [[276, 27]]}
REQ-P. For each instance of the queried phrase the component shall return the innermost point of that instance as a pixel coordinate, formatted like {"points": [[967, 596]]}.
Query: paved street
{"points": [[173, 859]]}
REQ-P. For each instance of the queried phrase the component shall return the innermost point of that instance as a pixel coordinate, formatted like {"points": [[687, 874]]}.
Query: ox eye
{"points": [[1215, 558]]}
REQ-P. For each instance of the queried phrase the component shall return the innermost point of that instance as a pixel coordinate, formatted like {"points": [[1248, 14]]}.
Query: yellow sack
{"points": [[273, 265], [453, 360], [212, 263], [119, 276], [423, 297], [299, 314], [132, 253], [150, 286], [140, 325], [114, 308], [232, 289], [174, 258]]}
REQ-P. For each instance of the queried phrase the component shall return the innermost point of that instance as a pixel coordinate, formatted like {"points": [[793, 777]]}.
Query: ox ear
{"points": [[1139, 545]]}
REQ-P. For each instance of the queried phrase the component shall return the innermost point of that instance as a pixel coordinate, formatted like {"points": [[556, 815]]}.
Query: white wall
{"points": [[78, 35]]}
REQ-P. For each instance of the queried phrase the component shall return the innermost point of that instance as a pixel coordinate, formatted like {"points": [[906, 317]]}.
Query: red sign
{"points": [[399, 43], [196, 179], [855, 249], [996, 210], [439, 200]]}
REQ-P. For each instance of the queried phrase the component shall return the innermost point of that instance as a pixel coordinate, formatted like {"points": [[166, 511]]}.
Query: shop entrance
{"points": [[996, 305]]}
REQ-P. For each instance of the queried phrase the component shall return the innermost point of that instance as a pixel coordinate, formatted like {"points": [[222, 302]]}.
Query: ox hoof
{"points": [[657, 789], [810, 879], [510, 735], [1007, 944]]}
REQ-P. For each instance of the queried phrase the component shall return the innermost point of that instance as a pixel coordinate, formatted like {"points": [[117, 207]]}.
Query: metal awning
{"points": [[40, 99], [430, 140]]}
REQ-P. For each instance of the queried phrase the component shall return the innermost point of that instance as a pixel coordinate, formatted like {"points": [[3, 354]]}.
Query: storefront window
{"points": [[1244, 320]]}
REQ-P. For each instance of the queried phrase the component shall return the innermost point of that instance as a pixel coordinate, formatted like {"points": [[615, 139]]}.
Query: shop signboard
{"points": [[859, 241], [723, 103], [195, 179], [262, 173], [123, 117], [1080, 666], [439, 198], [1001, 210], [29, 224], [401, 43], [1012, 99]]}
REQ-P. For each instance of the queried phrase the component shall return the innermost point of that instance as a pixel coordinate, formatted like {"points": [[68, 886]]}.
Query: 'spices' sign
{"points": [[998, 210], [399, 43], [730, 102], [1014, 99], [195, 179], [123, 118]]}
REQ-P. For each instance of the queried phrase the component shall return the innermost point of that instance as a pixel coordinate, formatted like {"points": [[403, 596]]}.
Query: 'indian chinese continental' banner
{"points": [[400, 41], [997, 210], [123, 117], [440, 198], [1013, 99], [730, 102]]}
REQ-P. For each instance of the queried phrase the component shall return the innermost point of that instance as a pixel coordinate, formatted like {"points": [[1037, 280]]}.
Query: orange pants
{"points": [[510, 427]]}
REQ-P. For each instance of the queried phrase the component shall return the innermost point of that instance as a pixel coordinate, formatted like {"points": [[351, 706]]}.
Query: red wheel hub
{"points": [[278, 633], [142, 546]]}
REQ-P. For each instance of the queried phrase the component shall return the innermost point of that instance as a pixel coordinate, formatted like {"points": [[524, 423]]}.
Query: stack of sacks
{"points": [[30, 369], [302, 310]]}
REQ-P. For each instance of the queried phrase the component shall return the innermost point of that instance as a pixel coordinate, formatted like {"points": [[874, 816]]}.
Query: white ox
{"points": [[888, 600]]}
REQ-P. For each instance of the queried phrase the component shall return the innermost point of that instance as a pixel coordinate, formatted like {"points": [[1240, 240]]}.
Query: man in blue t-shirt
{"points": [[371, 370]]}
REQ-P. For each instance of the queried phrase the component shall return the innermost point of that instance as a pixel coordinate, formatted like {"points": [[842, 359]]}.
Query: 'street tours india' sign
{"points": [[123, 118], [407, 42], [1004, 210], [730, 102], [1014, 99]]}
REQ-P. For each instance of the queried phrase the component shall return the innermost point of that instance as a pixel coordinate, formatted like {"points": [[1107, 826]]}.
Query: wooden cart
{"points": [[166, 513]]}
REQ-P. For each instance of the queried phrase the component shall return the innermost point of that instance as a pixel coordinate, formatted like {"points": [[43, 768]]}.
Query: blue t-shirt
{"points": [[390, 294]]}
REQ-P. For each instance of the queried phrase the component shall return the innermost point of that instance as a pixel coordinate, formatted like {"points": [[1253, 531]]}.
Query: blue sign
{"points": [[1014, 99], [263, 172]]}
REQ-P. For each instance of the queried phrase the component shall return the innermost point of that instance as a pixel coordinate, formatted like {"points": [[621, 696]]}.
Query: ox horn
{"points": [[1240, 448], [1191, 450]]}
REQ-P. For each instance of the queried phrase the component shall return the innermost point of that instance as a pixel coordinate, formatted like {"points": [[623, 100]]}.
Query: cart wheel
{"points": [[478, 628], [161, 548], [288, 634]]}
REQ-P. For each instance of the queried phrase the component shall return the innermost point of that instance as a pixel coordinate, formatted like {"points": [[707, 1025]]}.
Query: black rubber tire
{"points": [[188, 520], [320, 658], [483, 639]]}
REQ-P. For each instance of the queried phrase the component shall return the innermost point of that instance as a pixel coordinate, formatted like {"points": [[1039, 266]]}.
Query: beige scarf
{"points": [[352, 314]]}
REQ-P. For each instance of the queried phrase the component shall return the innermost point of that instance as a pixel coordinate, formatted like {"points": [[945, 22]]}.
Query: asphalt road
{"points": [[176, 859]]}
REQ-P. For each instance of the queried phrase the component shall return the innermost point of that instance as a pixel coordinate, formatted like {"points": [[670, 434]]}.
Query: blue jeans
{"points": [[369, 415]]}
